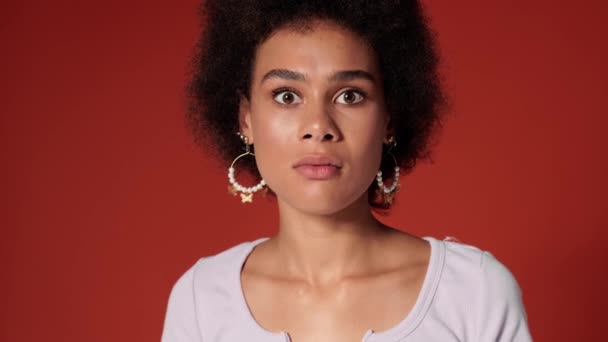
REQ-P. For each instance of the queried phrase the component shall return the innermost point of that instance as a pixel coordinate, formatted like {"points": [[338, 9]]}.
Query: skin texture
{"points": [[333, 271]]}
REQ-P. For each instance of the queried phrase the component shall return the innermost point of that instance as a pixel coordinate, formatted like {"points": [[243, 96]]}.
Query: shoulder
{"points": [[207, 286], [471, 271], [472, 280], [477, 267], [219, 267]]}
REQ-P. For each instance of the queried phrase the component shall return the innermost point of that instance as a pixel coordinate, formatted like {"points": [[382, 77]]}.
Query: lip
{"points": [[318, 167], [319, 160]]}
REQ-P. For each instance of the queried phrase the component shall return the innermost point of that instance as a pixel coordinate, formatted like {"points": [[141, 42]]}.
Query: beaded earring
{"points": [[235, 188], [387, 193]]}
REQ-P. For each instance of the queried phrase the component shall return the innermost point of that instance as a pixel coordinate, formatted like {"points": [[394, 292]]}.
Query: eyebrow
{"points": [[346, 75], [349, 75], [283, 74]]}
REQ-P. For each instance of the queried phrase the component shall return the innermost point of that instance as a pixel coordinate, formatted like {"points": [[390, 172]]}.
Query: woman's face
{"points": [[316, 117]]}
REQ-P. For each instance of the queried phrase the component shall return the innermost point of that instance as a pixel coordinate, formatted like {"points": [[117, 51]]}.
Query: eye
{"points": [[286, 96], [350, 96]]}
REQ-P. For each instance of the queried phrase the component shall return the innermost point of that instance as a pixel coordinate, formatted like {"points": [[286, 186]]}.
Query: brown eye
{"points": [[350, 97], [287, 97]]}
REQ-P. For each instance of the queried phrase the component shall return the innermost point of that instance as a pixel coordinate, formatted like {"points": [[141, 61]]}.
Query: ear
{"points": [[245, 118], [389, 130]]}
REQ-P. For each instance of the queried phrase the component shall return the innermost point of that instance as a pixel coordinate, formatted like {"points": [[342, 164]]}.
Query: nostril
{"points": [[307, 136], [328, 136]]}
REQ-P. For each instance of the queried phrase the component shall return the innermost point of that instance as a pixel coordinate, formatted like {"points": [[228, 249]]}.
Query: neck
{"points": [[323, 249]]}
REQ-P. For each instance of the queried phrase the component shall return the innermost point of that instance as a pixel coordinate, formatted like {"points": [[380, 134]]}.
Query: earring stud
{"points": [[243, 138]]}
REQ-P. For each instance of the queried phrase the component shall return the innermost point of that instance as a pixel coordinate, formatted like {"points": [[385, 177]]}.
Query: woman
{"points": [[327, 102]]}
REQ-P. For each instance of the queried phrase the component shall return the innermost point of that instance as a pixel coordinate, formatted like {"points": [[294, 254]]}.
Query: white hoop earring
{"points": [[246, 193], [387, 193]]}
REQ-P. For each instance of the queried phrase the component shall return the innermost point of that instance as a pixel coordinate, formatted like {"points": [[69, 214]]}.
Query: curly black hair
{"points": [[398, 31]]}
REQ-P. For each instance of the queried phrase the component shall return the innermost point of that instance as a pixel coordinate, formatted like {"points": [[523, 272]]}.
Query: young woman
{"points": [[327, 103]]}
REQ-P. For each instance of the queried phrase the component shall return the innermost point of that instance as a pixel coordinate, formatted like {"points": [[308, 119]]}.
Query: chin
{"points": [[323, 204]]}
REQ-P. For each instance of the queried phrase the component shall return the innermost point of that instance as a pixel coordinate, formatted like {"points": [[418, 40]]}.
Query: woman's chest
{"points": [[340, 313]]}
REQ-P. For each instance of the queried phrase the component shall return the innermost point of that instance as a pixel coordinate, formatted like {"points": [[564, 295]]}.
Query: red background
{"points": [[106, 200]]}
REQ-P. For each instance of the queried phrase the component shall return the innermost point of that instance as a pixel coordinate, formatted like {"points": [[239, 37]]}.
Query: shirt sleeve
{"points": [[502, 317], [181, 323]]}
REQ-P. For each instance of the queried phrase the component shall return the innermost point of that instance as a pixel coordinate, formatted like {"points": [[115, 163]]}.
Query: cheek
{"points": [[365, 159], [272, 137], [272, 128], [365, 144], [365, 136]]}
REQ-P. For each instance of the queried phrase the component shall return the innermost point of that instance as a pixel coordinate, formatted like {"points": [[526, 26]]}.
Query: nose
{"points": [[320, 126]]}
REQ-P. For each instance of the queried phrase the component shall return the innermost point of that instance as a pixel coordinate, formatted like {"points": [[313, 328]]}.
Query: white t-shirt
{"points": [[467, 295]]}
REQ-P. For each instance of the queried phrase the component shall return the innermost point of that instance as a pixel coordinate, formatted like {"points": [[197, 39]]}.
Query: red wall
{"points": [[106, 201]]}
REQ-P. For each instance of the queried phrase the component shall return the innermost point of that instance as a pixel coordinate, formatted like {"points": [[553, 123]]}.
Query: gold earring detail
{"points": [[235, 188]]}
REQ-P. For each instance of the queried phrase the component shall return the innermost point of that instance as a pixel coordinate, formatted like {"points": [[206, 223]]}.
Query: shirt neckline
{"points": [[400, 330]]}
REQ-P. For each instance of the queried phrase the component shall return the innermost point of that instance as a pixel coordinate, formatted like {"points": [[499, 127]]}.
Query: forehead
{"points": [[322, 48]]}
